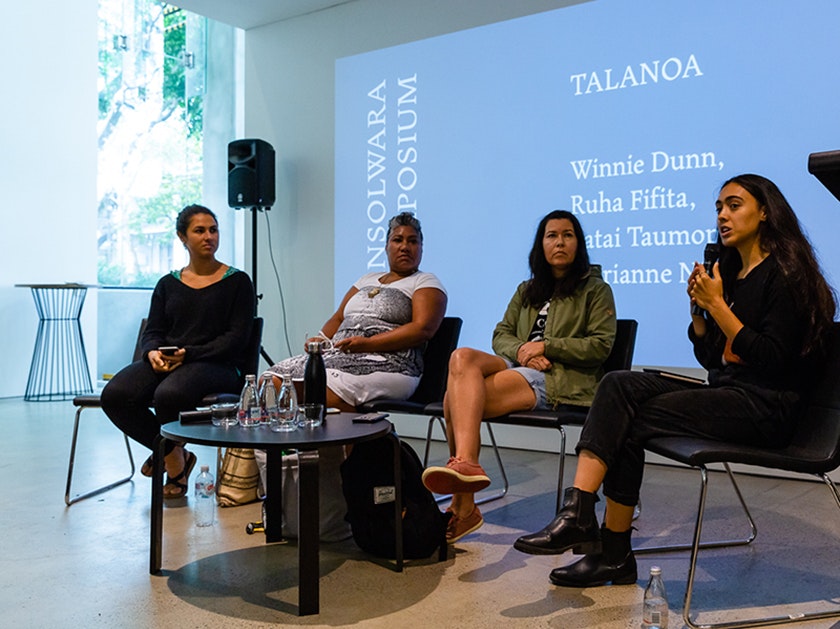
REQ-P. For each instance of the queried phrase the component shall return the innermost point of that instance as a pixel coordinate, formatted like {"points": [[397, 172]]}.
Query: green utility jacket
{"points": [[579, 334]]}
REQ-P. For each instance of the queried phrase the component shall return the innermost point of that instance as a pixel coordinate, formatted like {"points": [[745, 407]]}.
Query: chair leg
{"points": [[482, 498], [69, 501], [832, 488], [560, 471], [505, 484], [718, 543], [432, 421], [696, 546]]}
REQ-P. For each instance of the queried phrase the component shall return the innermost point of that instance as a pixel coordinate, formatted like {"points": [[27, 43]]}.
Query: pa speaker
{"points": [[250, 174]]}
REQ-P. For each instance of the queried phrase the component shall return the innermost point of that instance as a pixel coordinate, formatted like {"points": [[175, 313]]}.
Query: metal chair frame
{"points": [[814, 450], [93, 401], [81, 402]]}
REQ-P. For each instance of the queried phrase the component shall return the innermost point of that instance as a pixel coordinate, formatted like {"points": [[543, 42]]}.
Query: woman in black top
{"points": [[766, 313], [206, 311]]}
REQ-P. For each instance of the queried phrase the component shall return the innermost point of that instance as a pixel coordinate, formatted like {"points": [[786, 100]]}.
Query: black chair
{"points": [[621, 357], [81, 402], [435, 371], [815, 449], [433, 382]]}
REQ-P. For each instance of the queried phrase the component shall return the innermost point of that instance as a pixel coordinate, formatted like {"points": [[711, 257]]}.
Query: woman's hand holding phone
{"points": [[166, 358]]}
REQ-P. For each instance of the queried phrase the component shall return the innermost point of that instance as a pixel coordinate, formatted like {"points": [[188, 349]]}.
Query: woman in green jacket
{"points": [[549, 349]]}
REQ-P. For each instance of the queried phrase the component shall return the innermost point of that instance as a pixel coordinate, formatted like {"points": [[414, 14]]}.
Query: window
{"points": [[151, 114]]}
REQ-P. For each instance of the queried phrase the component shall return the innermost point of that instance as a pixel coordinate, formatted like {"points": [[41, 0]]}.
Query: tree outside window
{"points": [[151, 89]]}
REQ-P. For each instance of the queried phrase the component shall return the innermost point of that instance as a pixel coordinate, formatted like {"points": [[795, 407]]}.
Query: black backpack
{"points": [[367, 478]]}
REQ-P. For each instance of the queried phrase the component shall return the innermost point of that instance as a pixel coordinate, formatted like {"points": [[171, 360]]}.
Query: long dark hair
{"points": [[780, 235], [542, 285]]}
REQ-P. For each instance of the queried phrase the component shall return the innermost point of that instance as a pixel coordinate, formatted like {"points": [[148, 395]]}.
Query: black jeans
{"points": [[128, 396], [631, 407]]}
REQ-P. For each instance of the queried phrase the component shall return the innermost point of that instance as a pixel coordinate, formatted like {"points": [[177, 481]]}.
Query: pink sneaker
{"points": [[458, 477], [459, 527]]}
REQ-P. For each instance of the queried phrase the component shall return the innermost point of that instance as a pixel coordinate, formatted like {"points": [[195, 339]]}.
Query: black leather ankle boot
{"points": [[575, 528], [615, 563]]}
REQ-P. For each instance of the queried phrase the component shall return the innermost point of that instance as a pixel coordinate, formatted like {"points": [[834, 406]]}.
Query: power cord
{"points": [[279, 284]]}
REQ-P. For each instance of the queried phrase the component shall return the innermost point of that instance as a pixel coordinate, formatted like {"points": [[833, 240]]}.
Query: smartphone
{"points": [[369, 418], [168, 350]]}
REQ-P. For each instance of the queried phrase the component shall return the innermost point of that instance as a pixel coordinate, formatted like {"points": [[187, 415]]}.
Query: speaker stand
{"points": [[254, 211]]}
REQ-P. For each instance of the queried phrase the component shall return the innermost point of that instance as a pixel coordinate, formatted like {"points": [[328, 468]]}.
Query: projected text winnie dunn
{"points": [[647, 73], [660, 161]]}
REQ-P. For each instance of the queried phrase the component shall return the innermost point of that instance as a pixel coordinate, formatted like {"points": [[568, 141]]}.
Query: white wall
{"points": [[48, 177], [289, 88]]}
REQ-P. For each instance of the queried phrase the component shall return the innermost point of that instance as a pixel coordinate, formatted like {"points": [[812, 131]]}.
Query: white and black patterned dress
{"points": [[376, 308]]}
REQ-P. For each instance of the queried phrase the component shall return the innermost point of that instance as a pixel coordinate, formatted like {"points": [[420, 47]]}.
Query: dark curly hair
{"points": [[542, 285], [182, 223], [781, 235], [406, 219]]}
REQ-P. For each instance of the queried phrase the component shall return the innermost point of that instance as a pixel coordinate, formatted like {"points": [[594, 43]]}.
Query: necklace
{"points": [[373, 292]]}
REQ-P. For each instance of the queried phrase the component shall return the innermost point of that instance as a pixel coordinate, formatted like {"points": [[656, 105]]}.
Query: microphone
{"points": [[710, 256]]}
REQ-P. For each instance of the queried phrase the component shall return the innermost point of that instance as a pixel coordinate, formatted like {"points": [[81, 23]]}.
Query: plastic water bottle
{"points": [[287, 407], [268, 400], [655, 610], [315, 376], [249, 404], [205, 498]]}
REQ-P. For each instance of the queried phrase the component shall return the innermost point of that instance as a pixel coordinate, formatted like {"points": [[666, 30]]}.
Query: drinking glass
{"points": [[311, 416], [224, 415]]}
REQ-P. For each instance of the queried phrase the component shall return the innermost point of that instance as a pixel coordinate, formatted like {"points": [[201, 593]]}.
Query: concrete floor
{"points": [[87, 565]]}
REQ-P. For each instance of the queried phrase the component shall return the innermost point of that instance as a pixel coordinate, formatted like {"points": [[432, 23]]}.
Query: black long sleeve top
{"points": [[770, 343], [211, 323]]}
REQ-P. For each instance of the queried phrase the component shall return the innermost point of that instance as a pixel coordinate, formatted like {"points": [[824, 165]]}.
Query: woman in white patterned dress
{"points": [[373, 343]]}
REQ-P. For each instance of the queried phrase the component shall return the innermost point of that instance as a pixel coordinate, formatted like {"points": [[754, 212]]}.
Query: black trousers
{"points": [[129, 396], [631, 407]]}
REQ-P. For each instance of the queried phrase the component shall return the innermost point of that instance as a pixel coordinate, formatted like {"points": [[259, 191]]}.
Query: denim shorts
{"points": [[536, 380]]}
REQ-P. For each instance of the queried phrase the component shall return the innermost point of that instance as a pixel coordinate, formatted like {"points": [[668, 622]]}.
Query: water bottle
{"points": [[205, 498], [287, 407], [315, 376], [655, 610], [249, 404], [268, 400]]}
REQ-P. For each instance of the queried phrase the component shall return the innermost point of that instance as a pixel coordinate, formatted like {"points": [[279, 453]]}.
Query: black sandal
{"points": [[147, 469], [176, 481]]}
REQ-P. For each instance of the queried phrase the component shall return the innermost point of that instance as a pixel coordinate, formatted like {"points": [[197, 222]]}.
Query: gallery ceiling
{"points": [[253, 13]]}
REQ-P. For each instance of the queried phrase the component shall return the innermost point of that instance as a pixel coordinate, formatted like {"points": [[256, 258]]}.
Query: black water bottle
{"points": [[315, 377]]}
